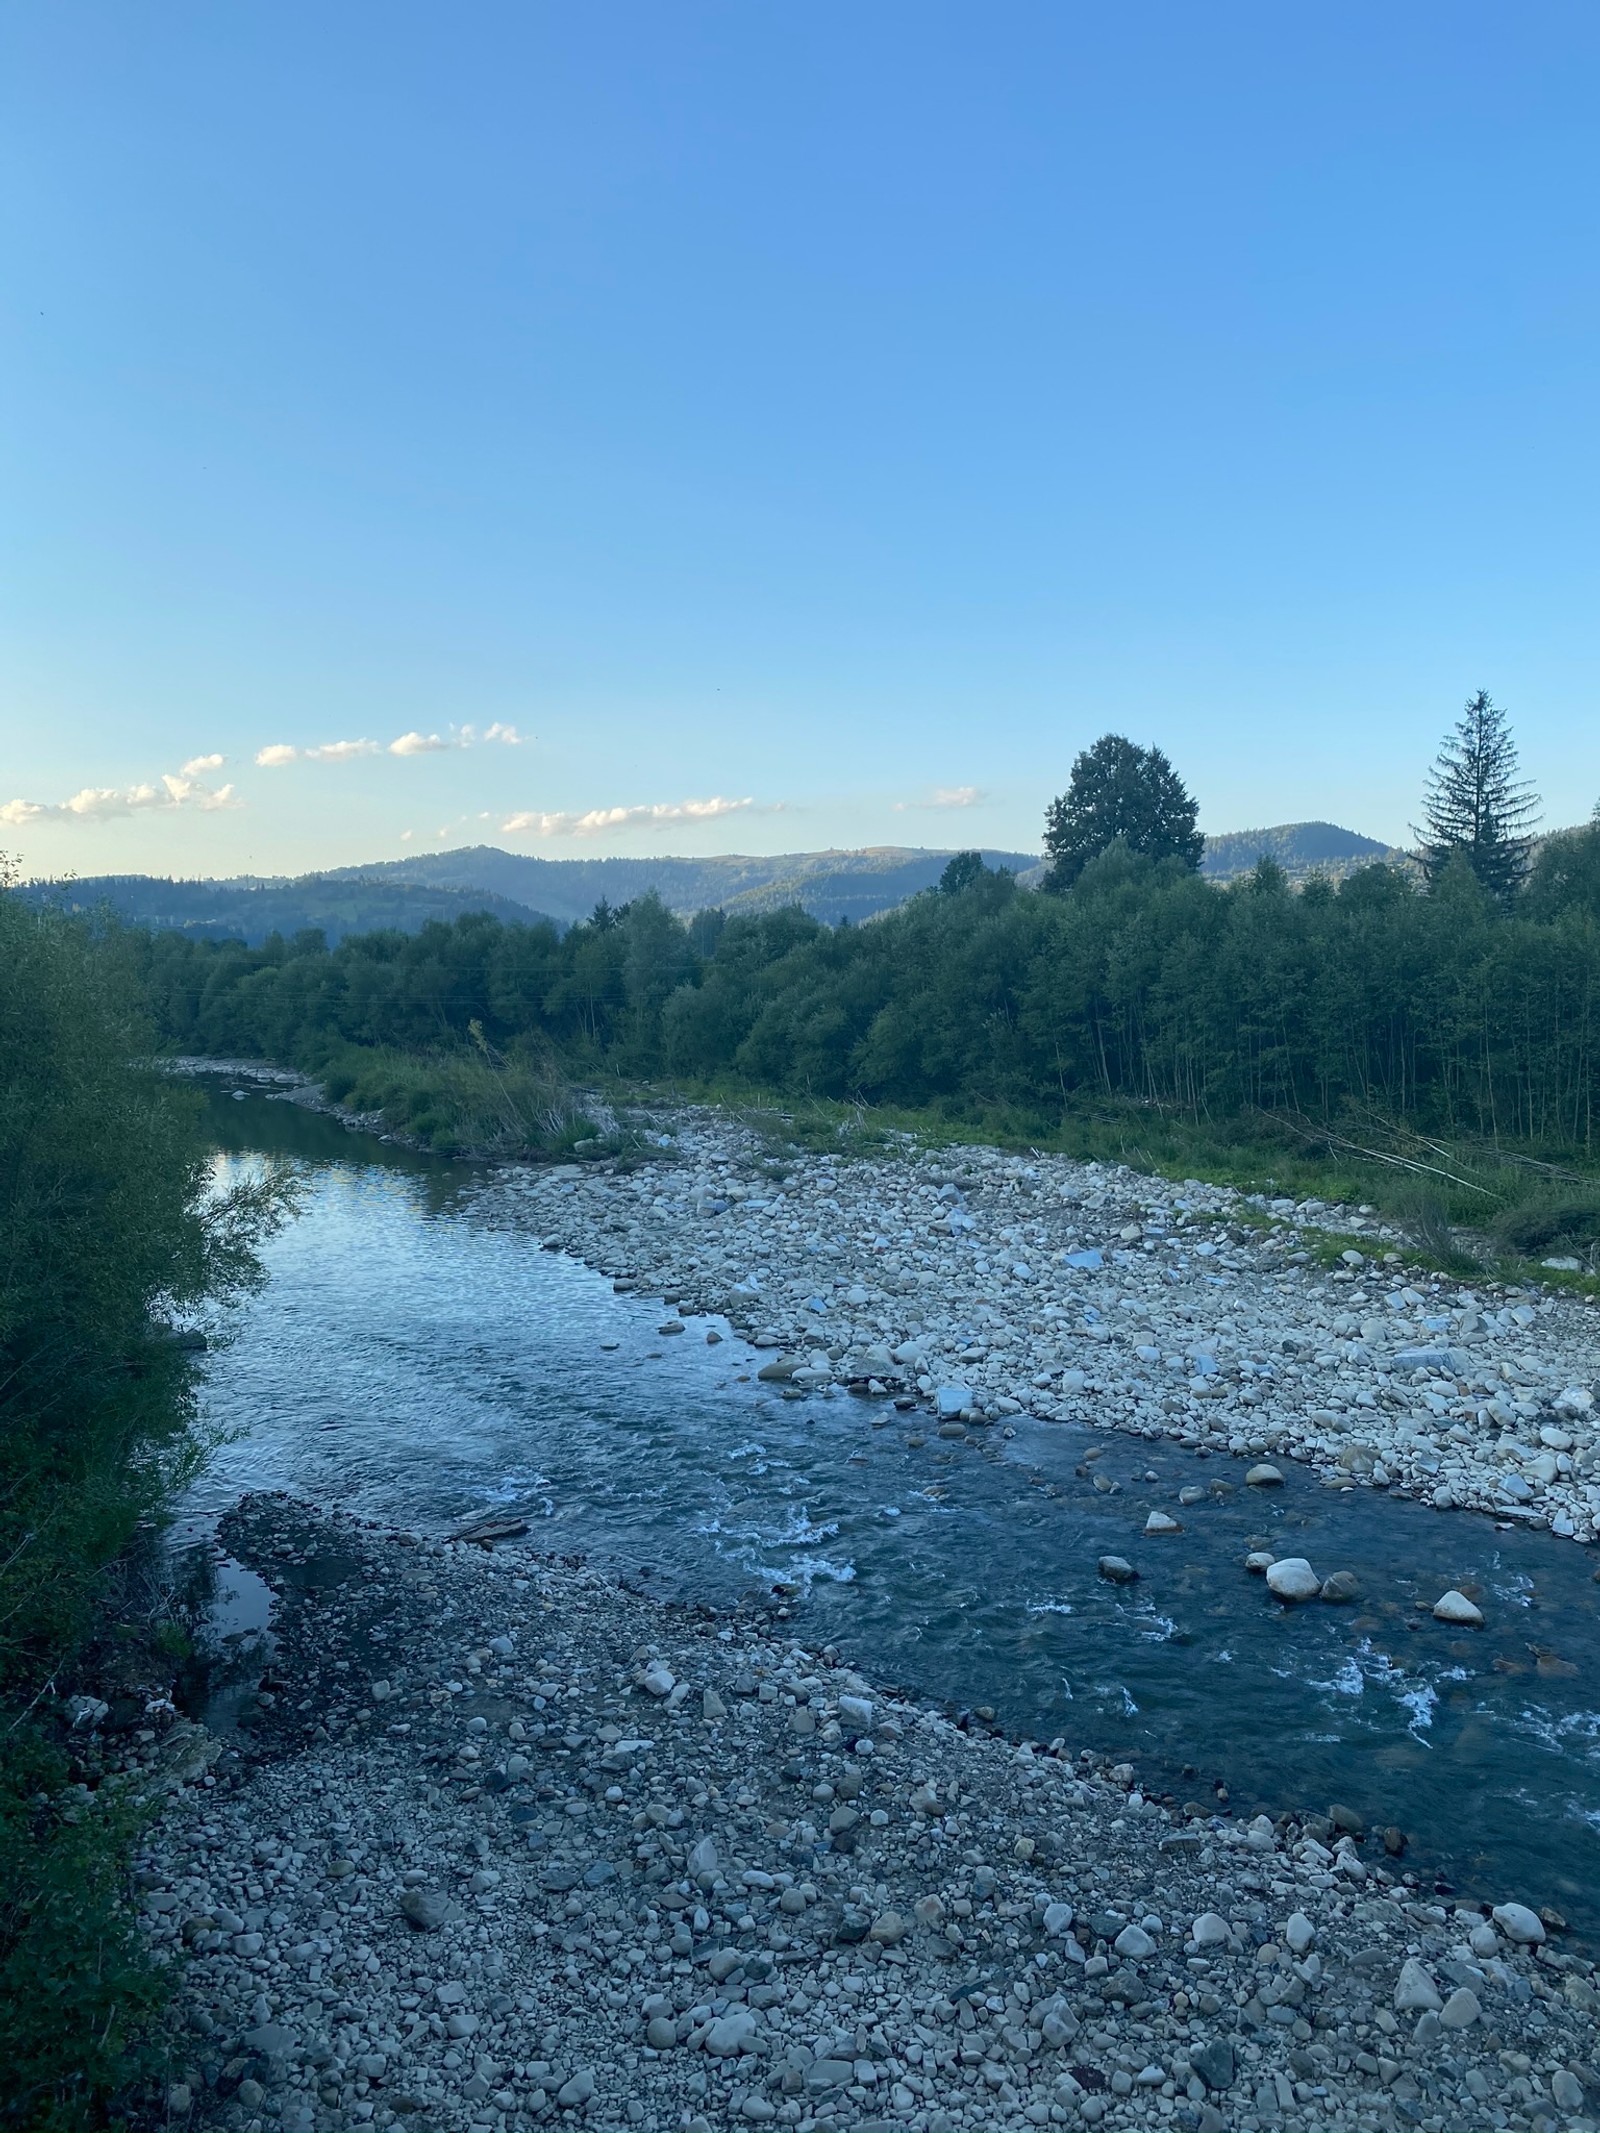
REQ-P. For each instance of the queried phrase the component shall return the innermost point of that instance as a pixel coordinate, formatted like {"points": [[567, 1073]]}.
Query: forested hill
{"points": [[1300, 848], [251, 910], [404, 894], [830, 886], [1143, 983]]}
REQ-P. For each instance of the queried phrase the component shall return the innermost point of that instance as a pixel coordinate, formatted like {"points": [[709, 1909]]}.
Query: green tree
{"points": [[1120, 792], [1566, 874], [108, 1225], [961, 872], [1475, 803]]}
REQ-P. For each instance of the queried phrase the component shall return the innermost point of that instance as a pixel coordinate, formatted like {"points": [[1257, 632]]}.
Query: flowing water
{"points": [[416, 1358]]}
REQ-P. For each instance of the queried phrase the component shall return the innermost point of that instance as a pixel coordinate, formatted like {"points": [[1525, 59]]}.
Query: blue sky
{"points": [[798, 425]]}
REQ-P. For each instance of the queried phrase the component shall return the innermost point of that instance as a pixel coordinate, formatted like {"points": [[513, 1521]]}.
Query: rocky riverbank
{"points": [[506, 1847], [979, 1284]]}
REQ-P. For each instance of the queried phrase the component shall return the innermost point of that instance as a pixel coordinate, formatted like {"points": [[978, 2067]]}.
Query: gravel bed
{"points": [[505, 1846], [981, 1284]]}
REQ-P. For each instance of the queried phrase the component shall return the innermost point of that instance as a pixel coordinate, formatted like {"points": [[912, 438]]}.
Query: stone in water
{"points": [[1293, 1579]]}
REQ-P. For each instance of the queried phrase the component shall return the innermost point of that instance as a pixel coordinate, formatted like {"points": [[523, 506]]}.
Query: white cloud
{"points": [[197, 765], [340, 751], [601, 819], [946, 796], [280, 753], [105, 803], [469, 736]]}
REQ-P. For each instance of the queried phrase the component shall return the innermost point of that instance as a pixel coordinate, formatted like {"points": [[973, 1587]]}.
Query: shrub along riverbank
{"points": [[107, 1228], [1434, 1048]]}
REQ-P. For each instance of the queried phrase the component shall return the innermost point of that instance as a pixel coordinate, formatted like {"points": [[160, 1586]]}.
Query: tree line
{"points": [[1445, 1007], [1462, 996]]}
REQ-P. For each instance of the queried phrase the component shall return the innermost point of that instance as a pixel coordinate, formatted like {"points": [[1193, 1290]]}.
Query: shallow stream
{"points": [[416, 1358]]}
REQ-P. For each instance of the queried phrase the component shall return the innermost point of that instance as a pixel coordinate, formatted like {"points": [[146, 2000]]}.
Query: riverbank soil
{"points": [[504, 1846]]}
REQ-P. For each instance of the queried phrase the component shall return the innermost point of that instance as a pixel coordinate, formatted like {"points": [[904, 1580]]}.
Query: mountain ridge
{"points": [[834, 884]]}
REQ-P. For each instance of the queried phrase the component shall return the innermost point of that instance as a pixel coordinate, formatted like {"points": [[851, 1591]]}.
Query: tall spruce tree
{"points": [[1476, 805], [1119, 790]]}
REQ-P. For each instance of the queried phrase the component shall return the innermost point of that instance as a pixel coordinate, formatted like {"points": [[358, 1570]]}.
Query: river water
{"points": [[416, 1358]]}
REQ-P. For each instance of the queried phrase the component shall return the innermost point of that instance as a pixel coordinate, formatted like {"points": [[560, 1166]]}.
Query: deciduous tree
{"points": [[1120, 791]]}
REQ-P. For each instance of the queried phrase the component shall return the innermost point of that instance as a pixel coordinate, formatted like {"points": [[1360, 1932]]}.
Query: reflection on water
{"points": [[417, 1358]]}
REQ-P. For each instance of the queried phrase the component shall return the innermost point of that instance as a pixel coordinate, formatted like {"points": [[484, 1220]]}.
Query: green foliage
{"points": [[1568, 1226], [458, 1101], [1477, 809], [1120, 794], [1566, 875], [108, 1225], [79, 1999], [1144, 986], [251, 910], [964, 871]]}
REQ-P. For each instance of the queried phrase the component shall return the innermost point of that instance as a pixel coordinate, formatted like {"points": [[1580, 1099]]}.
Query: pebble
{"points": [[1214, 2062], [1461, 2009], [1415, 1989], [427, 1909], [1160, 1522], [1373, 1373], [693, 1939], [1456, 1607], [1116, 1569]]}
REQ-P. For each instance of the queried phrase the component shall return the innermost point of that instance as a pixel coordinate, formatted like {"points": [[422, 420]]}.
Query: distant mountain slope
{"points": [[248, 908], [1300, 848], [830, 885], [405, 893]]}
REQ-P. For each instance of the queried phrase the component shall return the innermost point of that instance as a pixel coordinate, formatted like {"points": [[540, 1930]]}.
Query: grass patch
{"points": [[466, 1102]]}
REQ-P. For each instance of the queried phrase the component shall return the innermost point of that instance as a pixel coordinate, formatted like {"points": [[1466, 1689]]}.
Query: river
{"points": [[417, 1358]]}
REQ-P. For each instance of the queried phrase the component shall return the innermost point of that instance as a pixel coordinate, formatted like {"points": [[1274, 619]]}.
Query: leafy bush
{"points": [[1555, 1226], [469, 1099], [108, 1226], [79, 1999]]}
